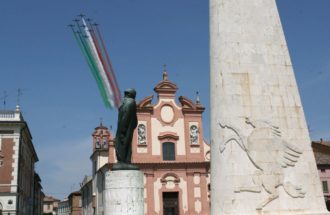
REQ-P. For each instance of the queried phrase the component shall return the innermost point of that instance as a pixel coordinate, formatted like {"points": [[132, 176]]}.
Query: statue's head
{"points": [[130, 93]]}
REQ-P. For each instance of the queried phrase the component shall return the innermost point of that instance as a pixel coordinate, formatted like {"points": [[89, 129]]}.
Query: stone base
{"points": [[124, 192], [124, 166]]}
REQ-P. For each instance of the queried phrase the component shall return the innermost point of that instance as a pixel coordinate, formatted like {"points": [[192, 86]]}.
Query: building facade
{"points": [[75, 203], [50, 205], [64, 207], [322, 157], [17, 165], [88, 199], [168, 146], [38, 195]]}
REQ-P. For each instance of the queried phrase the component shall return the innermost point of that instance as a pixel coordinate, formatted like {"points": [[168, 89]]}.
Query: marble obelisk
{"points": [[261, 161]]}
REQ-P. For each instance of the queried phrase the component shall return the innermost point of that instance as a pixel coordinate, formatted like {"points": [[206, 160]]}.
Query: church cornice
{"points": [[165, 87], [190, 107], [174, 165], [168, 136], [145, 105]]}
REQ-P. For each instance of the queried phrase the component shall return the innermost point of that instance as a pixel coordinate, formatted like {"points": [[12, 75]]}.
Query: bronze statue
{"points": [[127, 122]]}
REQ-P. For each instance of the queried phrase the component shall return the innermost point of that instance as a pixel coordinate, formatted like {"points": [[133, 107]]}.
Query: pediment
{"points": [[168, 136], [170, 177], [145, 104], [166, 86], [189, 106]]}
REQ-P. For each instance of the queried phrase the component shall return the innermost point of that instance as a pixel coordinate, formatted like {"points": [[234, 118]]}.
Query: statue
{"points": [[127, 122]]}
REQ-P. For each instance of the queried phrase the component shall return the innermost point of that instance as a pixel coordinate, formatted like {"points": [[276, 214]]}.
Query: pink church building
{"points": [[169, 147]]}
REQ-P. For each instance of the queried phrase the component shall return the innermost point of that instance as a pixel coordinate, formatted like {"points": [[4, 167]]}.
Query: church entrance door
{"points": [[170, 203]]}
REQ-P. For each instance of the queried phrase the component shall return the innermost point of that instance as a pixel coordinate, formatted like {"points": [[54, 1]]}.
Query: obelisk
{"points": [[261, 161]]}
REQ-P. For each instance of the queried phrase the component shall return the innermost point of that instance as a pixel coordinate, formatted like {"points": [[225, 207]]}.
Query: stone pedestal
{"points": [[124, 192]]}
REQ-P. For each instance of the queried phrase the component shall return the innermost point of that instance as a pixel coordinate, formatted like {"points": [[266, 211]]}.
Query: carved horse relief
{"points": [[270, 154]]}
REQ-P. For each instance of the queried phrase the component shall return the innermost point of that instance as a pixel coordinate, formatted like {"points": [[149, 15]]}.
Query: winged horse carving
{"points": [[270, 154]]}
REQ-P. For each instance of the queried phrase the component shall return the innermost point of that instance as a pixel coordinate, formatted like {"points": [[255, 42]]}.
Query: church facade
{"points": [[169, 148]]}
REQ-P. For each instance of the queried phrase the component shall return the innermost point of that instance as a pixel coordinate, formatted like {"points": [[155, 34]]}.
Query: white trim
{"points": [[163, 101], [15, 162]]}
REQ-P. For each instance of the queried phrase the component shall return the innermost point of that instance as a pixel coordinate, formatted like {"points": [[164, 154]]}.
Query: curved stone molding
{"points": [[170, 180], [167, 113], [145, 105], [189, 106]]}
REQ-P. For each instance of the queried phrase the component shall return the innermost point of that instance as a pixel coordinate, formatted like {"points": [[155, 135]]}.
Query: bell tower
{"points": [[101, 139]]}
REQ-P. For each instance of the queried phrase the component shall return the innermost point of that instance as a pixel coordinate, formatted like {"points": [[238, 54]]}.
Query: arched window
{"points": [[104, 145], [168, 151], [97, 144]]}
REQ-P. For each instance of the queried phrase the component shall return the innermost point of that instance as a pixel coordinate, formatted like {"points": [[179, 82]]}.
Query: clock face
{"points": [[167, 113]]}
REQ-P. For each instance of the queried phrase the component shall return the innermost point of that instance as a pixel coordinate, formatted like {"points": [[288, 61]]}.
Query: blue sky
{"points": [[60, 99]]}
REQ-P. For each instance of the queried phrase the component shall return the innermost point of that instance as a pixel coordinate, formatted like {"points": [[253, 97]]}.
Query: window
{"points": [[105, 145], [325, 186], [322, 170], [97, 145], [168, 151]]}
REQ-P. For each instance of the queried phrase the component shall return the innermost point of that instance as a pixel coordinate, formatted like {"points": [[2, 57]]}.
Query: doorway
{"points": [[170, 203]]}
